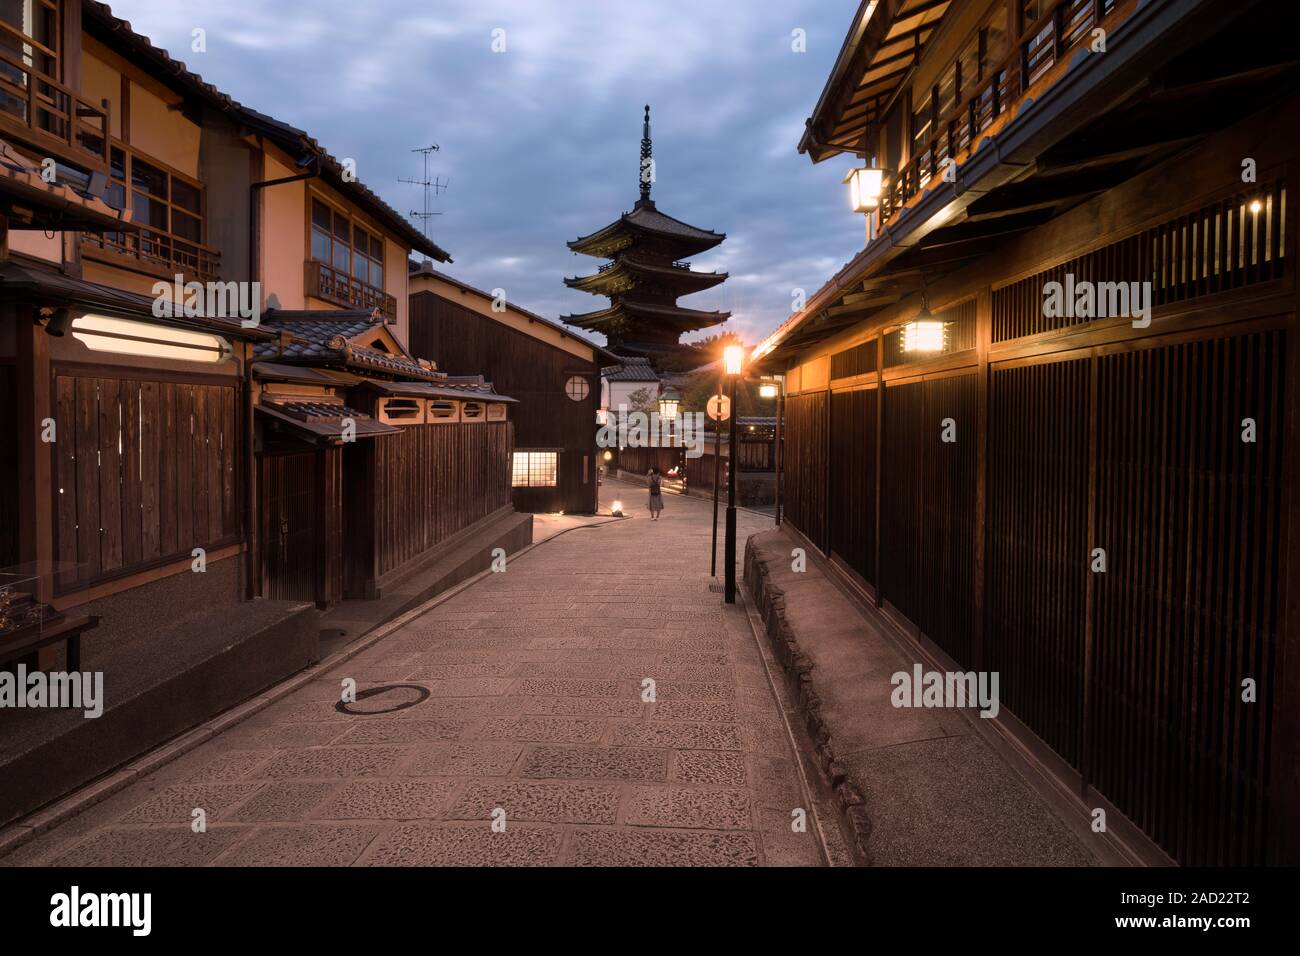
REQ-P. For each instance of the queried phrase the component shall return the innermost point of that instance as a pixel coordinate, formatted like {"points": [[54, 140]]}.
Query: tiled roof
{"points": [[100, 15], [644, 217], [633, 369], [323, 339]]}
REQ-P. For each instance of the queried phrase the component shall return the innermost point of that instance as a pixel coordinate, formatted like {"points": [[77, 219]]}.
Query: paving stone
{"points": [[335, 762], [280, 801], [463, 759], [424, 844], [227, 765], [563, 730], [705, 809], [618, 763], [308, 844], [695, 690], [557, 687], [678, 735], [710, 766], [289, 736], [468, 686], [403, 731], [176, 804], [581, 706], [451, 671], [132, 846], [719, 711], [599, 847], [538, 802], [386, 800]]}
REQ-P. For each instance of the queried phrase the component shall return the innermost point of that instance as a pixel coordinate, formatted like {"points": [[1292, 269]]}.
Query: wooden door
{"points": [[288, 526]]}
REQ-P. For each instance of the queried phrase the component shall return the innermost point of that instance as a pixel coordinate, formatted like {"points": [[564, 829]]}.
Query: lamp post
{"points": [[733, 357]]}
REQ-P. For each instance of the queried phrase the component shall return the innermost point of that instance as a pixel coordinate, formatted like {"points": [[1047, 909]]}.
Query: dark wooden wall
{"points": [[464, 342], [146, 471], [432, 481], [1125, 440]]}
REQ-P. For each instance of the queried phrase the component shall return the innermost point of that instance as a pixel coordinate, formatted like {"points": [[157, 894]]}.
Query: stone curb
{"points": [[33, 825], [769, 602]]}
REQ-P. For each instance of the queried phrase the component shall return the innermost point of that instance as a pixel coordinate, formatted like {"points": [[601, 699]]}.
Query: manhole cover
{"points": [[384, 699]]}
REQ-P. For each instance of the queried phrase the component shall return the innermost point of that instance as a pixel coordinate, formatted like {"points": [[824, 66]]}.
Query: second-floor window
{"points": [[346, 247], [168, 207]]}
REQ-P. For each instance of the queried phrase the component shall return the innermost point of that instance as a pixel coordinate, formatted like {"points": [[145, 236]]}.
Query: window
{"points": [[577, 388], [169, 209], [345, 246], [29, 34], [535, 469]]}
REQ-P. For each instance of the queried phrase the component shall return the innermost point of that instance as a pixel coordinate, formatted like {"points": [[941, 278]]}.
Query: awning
{"points": [[426, 390], [305, 375], [45, 288], [322, 423]]}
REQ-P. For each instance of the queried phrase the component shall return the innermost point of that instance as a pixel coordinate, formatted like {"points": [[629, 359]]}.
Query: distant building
{"points": [[645, 276], [554, 374]]}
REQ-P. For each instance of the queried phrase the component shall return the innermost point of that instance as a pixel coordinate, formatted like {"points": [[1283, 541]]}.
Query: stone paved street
{"points": [[524, 695]]}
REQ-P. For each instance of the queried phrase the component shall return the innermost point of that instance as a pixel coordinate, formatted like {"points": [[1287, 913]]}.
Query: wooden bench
{"points": [[67, 629]]}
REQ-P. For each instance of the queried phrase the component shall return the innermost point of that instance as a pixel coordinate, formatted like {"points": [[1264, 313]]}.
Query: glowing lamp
{"points": [[616, 509], [865, 187], [767, 390], [733, 359], [669, 402], [923, 336]]}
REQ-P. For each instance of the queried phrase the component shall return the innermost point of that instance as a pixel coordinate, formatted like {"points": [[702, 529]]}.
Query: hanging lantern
{"points": [[865, 188]]}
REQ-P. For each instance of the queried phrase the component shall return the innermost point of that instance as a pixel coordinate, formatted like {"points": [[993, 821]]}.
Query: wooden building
{"points": [[553, 373], [1096, 500], [160, 178], [368, 459]]}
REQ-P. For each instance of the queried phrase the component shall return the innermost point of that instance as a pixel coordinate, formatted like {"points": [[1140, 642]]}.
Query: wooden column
{"points": [[983, 339], [35, 457]]}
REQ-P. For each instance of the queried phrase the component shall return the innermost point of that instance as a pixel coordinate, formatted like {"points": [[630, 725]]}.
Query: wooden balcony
{"points": [[325, 282], [41, 111], [1044, 44], [156, 253]]}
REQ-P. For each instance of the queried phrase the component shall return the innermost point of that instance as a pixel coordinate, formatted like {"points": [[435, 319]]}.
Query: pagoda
{"points": [[645, 276]]}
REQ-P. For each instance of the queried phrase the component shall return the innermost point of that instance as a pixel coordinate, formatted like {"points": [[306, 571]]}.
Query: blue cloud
{"points": [[540, 143]]}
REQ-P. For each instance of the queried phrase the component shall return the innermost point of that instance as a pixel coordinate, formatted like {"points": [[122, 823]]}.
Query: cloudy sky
{"points": [[540, 143]]}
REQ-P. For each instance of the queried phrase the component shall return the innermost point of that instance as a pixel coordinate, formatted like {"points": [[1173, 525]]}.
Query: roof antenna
{"points": [[436, 184], [647, 163]]}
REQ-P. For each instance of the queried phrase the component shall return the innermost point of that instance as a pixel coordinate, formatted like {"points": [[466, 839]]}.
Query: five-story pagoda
{"points": [[645, 276]]}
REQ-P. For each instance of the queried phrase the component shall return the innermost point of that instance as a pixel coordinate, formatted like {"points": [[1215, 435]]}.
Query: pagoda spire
{"points": [[647, 163]]}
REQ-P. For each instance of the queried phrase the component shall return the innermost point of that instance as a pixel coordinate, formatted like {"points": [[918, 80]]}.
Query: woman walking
{"points": [[656, 497]]}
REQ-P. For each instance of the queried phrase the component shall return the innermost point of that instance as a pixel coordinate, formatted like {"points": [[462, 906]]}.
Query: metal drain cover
{"points": [[392, 697]]}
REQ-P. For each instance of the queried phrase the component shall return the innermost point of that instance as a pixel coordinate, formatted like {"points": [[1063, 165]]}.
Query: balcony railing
{"points": [[1068, 24], [43, 111], [333, 285], [159, 253]]}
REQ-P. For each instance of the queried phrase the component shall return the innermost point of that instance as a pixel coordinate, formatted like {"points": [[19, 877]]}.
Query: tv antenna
{"points": [[437, 184]]}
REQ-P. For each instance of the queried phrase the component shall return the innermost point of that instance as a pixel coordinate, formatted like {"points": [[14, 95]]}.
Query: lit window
{"points": [[536, 469], [123, 337], [577, 388]]}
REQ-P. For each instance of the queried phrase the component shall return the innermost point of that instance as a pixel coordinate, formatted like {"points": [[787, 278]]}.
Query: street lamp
{"points": [[733, 360], [669, 402]]}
